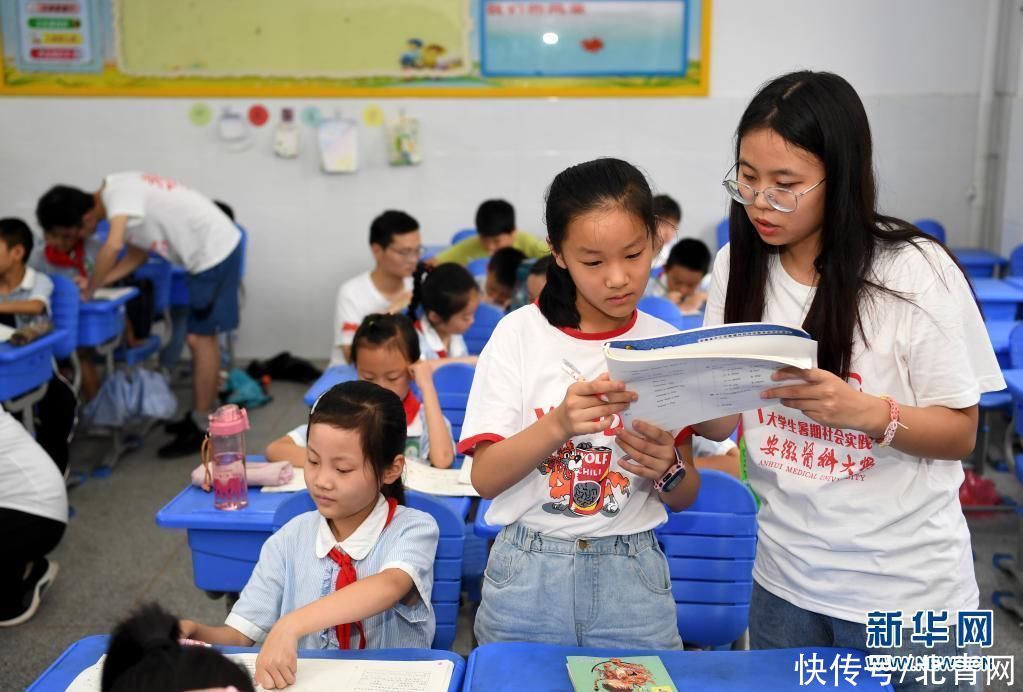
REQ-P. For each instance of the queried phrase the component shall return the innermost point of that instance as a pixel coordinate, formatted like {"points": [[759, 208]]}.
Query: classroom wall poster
{"points": [[368, 48]]}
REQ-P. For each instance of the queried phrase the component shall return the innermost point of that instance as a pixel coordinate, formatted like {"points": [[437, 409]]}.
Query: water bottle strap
{"points": [[207, 479]]}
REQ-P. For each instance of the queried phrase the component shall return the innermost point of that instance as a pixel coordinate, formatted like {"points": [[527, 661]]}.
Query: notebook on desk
{"points": [[111, 293], [315, 674], [705, 373]]}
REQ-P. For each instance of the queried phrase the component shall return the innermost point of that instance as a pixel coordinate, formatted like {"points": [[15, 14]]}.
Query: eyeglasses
{"points": [[782, 199], [408, 253]]}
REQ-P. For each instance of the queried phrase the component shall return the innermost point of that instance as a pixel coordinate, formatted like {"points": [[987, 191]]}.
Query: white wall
{"points": [[1012, 219], [916, 63]]}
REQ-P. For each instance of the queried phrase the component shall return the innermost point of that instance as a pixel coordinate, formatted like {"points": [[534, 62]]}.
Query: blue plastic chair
{"points": [[447, 565], [486, 319], [710, 548], [932, 228], [1016, 261], [722, 233], [478, 267], [461, 235], [453, 382], [661, 308], [64, 311]]}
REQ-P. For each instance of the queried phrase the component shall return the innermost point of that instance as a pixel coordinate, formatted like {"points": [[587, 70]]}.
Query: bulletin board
{"points": [[355, 48]]}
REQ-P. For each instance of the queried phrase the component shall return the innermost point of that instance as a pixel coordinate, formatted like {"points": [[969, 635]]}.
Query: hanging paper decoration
{"points": [[339, 145], [403, 141], [258, 115], [286, 136], [200, 114]]}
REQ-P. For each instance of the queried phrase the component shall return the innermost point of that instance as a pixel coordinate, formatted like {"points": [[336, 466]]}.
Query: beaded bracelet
{"points": [[893, 425]]}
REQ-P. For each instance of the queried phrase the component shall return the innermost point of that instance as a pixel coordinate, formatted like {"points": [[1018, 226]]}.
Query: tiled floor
{"points": [[114, 557]]}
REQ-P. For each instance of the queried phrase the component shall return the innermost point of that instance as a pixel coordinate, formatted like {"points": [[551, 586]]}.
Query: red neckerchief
{"points": [[75, 258], [411, 405], [346, 575]]}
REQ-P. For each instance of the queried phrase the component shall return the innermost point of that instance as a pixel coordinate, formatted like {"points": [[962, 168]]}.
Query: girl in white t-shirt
{"points": [[385, 350], [443, 307], [577, 562], [857, 466]]}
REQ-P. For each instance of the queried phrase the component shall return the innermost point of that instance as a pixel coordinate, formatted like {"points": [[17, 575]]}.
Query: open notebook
{"points": [[316, 674], [705, 373]]}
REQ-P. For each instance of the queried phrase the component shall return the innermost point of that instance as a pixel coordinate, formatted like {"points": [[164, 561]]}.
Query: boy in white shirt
{"points": [[396, 246], [149, 213]]}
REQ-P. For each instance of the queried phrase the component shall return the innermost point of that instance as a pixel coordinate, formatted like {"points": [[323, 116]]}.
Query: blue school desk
{"points": [[23, 368], [85, 652], [999, 299], [978, 262], [332, 376], [100, 321], [225, 545], [540, 667]]}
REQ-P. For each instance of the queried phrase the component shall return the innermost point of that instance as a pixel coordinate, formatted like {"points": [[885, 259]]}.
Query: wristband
{"points": [[893, 425]]}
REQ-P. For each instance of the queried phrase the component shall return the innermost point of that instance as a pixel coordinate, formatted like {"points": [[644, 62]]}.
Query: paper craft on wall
{"points": [[286, 135], [367, 48], [339, 145], [403, 141]]}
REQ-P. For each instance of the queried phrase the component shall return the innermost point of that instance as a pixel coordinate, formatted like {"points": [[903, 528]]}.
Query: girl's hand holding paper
{"points": [[827, 399], [650, 450]]}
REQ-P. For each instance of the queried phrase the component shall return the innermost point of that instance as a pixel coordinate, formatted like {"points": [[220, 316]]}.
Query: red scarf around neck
{"points": [[75, 258], [346, 575]]}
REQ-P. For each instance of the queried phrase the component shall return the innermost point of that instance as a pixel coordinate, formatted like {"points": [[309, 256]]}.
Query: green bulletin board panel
{"points": [[343, 48]]}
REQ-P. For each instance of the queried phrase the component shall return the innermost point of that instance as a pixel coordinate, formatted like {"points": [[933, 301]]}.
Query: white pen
{"points": [[574, 373]]}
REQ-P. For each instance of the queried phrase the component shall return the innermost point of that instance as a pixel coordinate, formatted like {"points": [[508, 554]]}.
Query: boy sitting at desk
{"points": [[153, 213], [684, 278], [495, 229], [396, 245], [66, 254], [24, 300]]}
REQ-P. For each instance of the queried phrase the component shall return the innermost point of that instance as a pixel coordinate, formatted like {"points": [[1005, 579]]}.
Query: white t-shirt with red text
{"points": [[847, 526], [357, 298], [170, 219], [580, 490]]}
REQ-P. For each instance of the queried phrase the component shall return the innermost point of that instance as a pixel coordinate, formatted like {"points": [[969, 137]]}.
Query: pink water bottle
{"points": [[224, 456]]}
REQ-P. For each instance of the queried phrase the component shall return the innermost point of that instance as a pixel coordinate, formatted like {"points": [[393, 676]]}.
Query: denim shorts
{"points": [[598, 592], [213, 296], [774, 623]]}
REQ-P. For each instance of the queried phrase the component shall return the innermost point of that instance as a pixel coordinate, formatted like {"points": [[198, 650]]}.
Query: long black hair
{"points": [[144, 654], [446, 290], [378, 416], [821, 113], [581, 189]]}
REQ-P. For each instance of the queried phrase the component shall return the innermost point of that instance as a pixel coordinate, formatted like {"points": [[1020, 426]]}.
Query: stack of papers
{"points": [[705, 373]]}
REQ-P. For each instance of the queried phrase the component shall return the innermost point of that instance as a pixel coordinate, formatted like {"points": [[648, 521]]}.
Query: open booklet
{"points": [[330, 674], [111, 292], [705, 373], [634, 673]]}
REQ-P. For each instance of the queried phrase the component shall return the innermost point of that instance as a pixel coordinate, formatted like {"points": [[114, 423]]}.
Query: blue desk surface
{"points": [[192, 508], [85, 652], [978, 257], [331, 377], [541, 667], [12, 354], [24, 368], [998, 290], [94, 306]]}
